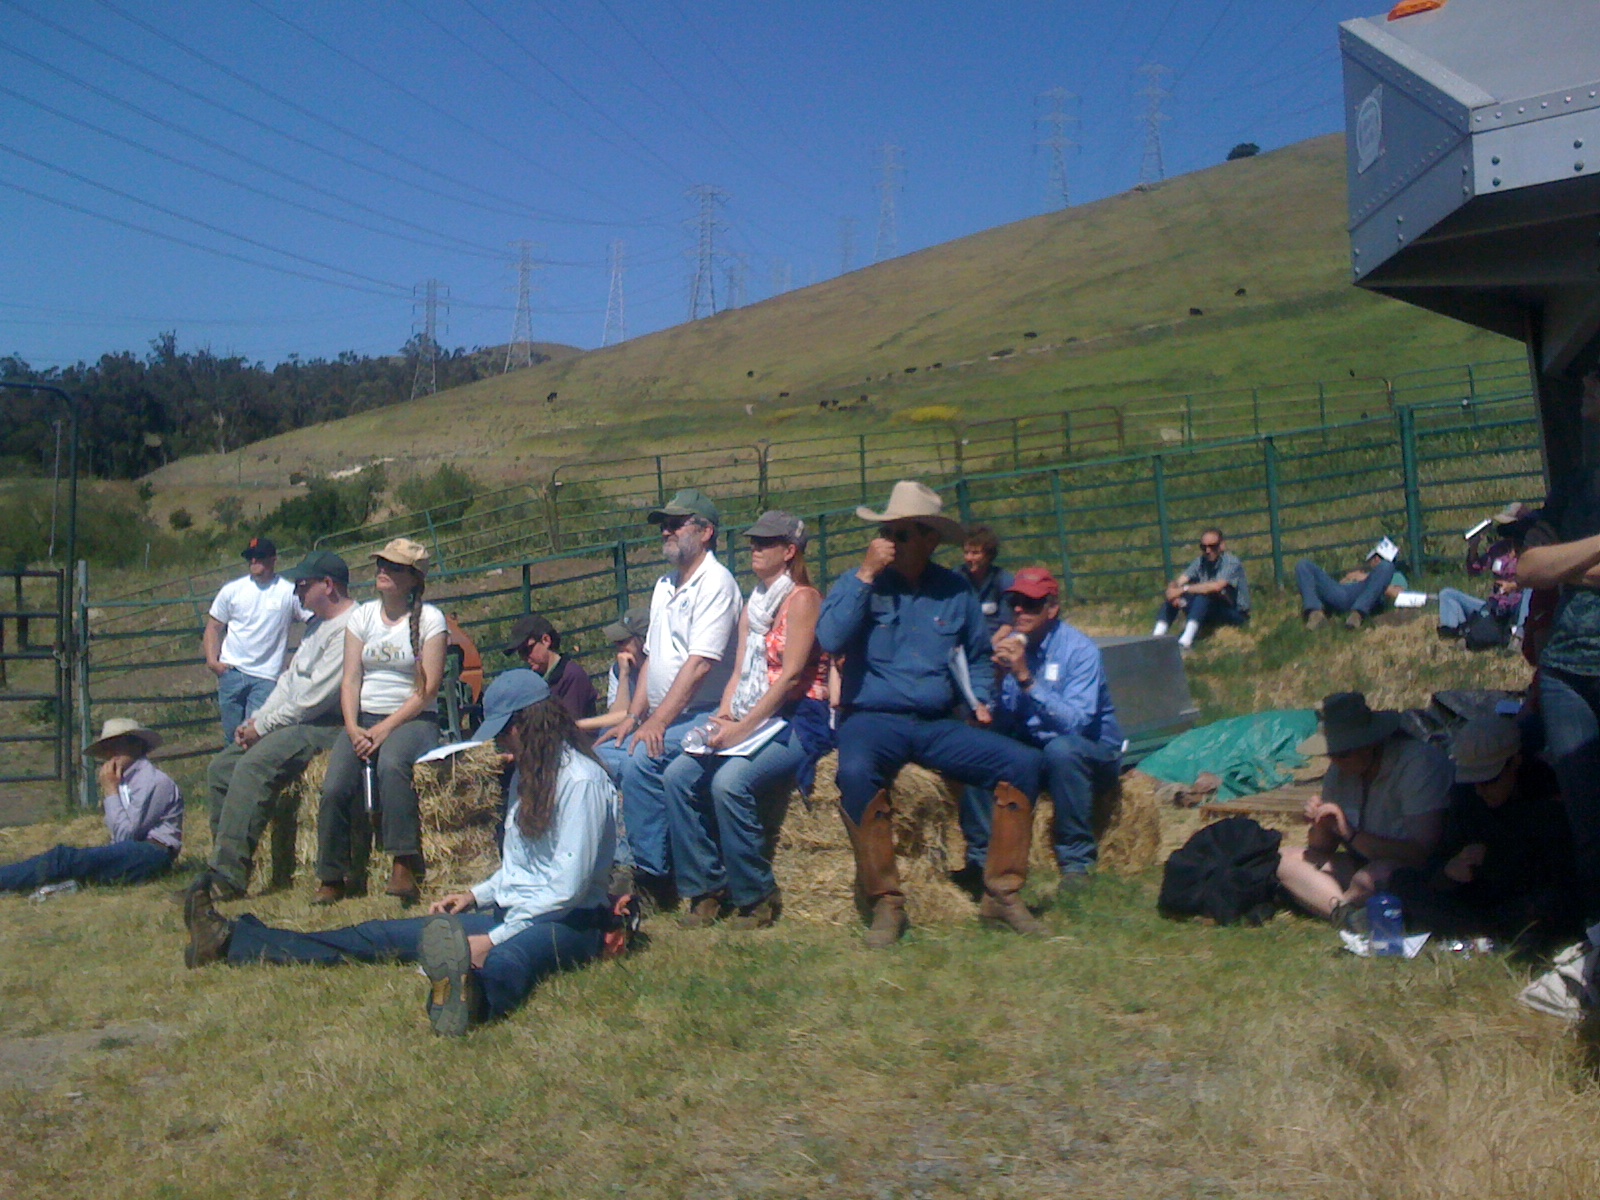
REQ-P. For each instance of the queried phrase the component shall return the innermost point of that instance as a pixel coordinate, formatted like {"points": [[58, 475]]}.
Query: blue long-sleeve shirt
{"points": [[897, 639], [1069, 692], [147, 807]]}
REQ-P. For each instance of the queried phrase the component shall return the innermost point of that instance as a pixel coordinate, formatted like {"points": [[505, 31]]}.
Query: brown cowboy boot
{"points": [[403, 880], [877, 879], [1007, 867]]}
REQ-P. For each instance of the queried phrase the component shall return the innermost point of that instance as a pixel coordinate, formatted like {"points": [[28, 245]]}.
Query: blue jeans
{"points": [[714, 807], [1208, 610], [120, 862], [644, 802], [238, 696], [1570, 704], [1455, 606], [1075, 771], [512, 970], [873, 746], [1321, 592]]}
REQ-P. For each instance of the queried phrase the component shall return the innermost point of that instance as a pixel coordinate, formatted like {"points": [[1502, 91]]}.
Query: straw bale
{"points": [[459, 801]]}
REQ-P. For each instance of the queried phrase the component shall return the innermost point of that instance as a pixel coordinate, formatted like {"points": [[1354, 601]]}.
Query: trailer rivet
{"points": [[1495, 181], [1577, 144], [1495, 160]]}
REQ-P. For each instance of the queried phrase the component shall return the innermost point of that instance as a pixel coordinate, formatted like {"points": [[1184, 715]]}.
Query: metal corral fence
{"points": [[1113, 528]]}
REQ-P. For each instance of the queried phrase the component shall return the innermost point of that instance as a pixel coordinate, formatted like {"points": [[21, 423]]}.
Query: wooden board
{"points": [[1281, 802]]}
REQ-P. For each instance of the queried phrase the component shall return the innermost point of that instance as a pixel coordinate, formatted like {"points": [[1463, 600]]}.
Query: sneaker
{"points": [[1561, 991], [704, 912], [1354, 620], [455, 1000], [1316, 619], [763, 914]]}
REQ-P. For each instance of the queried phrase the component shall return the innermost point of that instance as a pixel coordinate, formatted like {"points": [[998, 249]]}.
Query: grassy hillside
{"points": [[1090, 305]]}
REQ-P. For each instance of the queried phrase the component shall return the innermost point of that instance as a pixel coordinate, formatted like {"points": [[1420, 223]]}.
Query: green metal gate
{"points": [[36, 679]]}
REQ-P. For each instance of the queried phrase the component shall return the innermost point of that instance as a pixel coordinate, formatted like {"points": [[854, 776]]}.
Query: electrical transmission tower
{"points": [[703, 282], [782, 276], [519, 351], [847, 244], [1053, 123], [737, 292], [616, 311], [430, 307], [1152, 168], [889, 172]]}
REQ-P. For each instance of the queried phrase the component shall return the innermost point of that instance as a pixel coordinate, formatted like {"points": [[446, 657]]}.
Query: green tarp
{"points": [[1249, 754]]}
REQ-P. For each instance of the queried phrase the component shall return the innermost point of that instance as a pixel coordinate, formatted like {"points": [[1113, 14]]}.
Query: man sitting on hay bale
{"points": [[906, 626], [298, 721], [483, 950]]}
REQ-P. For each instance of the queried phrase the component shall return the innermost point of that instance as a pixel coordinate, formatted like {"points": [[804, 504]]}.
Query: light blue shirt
{"points": [[1069, 692], [148, 807], [568, 868]]}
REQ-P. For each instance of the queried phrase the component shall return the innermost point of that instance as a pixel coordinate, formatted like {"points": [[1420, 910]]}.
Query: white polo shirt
{"points": [[700, 618], [258, 618]]}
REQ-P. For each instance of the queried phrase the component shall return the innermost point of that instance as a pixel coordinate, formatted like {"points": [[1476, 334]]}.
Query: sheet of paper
{"points": [[446, 751], [1411, 599], [765, 732], [1359, 944], [963, 677]]}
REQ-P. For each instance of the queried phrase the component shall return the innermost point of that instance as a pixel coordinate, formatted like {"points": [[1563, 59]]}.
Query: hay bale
{"points": [[1127, 823], [459, 802]]}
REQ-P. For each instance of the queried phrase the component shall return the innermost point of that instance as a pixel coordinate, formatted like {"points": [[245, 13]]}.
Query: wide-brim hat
{"points": [[913, 501], [1349, 724], [508, 695], [119, 727], [1512, 513], [405, 552]]}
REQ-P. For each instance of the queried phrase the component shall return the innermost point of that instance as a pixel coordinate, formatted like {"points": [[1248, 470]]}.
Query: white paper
{"points": [[446, 751], [765, 732], [963, 677], [1359, 944], [1411, 599]]}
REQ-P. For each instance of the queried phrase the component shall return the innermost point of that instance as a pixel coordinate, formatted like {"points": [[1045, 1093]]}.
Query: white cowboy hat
{"points": [[913, 501], [118, 727]]}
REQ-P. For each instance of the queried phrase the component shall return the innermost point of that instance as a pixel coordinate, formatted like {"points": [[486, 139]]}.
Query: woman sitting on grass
{"points": [[483, 950], [144, 812], [720, 848], [394, 650]]}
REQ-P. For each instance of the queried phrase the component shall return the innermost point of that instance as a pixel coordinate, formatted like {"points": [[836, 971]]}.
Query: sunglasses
{"points": [[1028, 604], [1211, 545], [673, 524], [767, 543], [900, 535]]}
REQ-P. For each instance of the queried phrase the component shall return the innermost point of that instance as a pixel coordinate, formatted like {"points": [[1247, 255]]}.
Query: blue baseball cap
{"points": [[508, 695]]}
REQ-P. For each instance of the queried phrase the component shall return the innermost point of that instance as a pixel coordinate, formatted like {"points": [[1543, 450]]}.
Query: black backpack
{"points": [[1227, 871], [1486, 629]]}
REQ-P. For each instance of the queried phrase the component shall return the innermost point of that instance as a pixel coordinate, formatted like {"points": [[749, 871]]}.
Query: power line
{"points": [[519, 351], [1152, 167], [889, 172], [1056, 121], [616, 329]]}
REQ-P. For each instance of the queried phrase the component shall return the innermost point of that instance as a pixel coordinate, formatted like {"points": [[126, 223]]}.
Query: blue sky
{"points": [[271, 177]]}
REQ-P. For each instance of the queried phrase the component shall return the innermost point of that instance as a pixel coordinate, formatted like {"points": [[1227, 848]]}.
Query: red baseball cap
{"points": [[1035, 583]]}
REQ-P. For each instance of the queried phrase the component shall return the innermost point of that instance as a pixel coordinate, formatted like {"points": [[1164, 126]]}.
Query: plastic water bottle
{"points": [[1386, 924], [65, 888]]}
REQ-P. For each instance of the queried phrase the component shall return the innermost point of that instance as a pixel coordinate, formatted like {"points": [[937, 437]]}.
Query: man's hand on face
{"points": [[880, 553]]}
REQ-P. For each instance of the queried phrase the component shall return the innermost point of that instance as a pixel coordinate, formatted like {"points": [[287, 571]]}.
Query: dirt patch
{"points": [[51, 1059]]}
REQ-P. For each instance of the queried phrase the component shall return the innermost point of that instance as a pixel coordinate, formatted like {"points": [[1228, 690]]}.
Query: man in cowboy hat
{"points": [[1359, 594], [1382, 807], [143, 809], [247, 631], [910, 631], [300, 719]]}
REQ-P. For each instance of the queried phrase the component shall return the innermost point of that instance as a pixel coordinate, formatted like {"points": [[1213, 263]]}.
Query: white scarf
{"points": [[762, 609]]}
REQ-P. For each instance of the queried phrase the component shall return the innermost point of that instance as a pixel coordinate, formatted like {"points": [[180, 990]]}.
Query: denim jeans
{"points": [[1570, 704], [644, 802], [873, 746], [1208, 610], [714, 808], [1075, 771], [1320, 591], [120, 862], [1455, 606], [238, 696], [510, 973]]}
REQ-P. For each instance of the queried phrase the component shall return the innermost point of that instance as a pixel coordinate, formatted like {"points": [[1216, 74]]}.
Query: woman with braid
{"points": [[393, 664]]}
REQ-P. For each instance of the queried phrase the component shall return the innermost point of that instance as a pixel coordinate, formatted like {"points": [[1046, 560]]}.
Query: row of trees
{"points": [[140, 413]]}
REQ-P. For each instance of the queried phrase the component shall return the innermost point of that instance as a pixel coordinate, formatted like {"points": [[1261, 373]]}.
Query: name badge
{"points": [[1052, 672], [990, 608]]}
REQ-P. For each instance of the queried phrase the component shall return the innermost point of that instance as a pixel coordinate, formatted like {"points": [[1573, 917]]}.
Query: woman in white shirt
{"points": [[393, 664], [484, 950]]}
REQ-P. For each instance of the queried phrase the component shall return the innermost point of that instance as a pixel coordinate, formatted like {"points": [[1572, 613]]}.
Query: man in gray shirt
{"points": [[300, 719], [1211, 591]]}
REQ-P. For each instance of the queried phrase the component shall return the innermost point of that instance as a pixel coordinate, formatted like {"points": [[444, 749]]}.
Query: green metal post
{"points": [[1066, 435], [78, 637], [822, 549], [861, 462], [1322, 409], [552, 504], [1158, 473], [433, 534], [1269, 454], [761, 475], [661, 483], [1413, 488], [1058, 503], [1255, 409], [964, 501], [1016, 443], [961, 448], [620, 563], [1188, 420], [527, 588]]}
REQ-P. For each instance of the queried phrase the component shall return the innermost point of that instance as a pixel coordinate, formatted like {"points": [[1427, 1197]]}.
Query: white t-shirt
{"points": [[258, 618], [388, 668], [701, 618]]}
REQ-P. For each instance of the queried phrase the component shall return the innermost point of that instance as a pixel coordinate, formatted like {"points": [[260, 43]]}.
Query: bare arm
{"points": [[618, 712], [211, 641], [683, 687], [1566, 562], [1422, 835], [350, 686], [802, 639], [622, 725]]}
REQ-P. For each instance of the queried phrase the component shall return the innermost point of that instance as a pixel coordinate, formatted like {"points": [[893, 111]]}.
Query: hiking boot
{"points": [[328, 893], [455, 999], [222, 889], [969, 879], [209, 932], [403, 880], [1009, 912], [1354, 620], [1316, 619], [763, 914], [889, 923], [1449, 633], [657, 893], [704, 912]]}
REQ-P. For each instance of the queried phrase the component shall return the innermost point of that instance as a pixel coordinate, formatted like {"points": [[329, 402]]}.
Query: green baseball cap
{"points": [[319, 564], [689, 502]]}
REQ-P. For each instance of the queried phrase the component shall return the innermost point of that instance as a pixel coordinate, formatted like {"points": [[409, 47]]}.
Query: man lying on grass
{"points": [[483, 950]]}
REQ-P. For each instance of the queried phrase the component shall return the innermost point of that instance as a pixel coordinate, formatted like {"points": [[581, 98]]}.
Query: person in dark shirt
{"points": [[978, 554], [538, 643], [1211, 591], [1503, 865]]}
